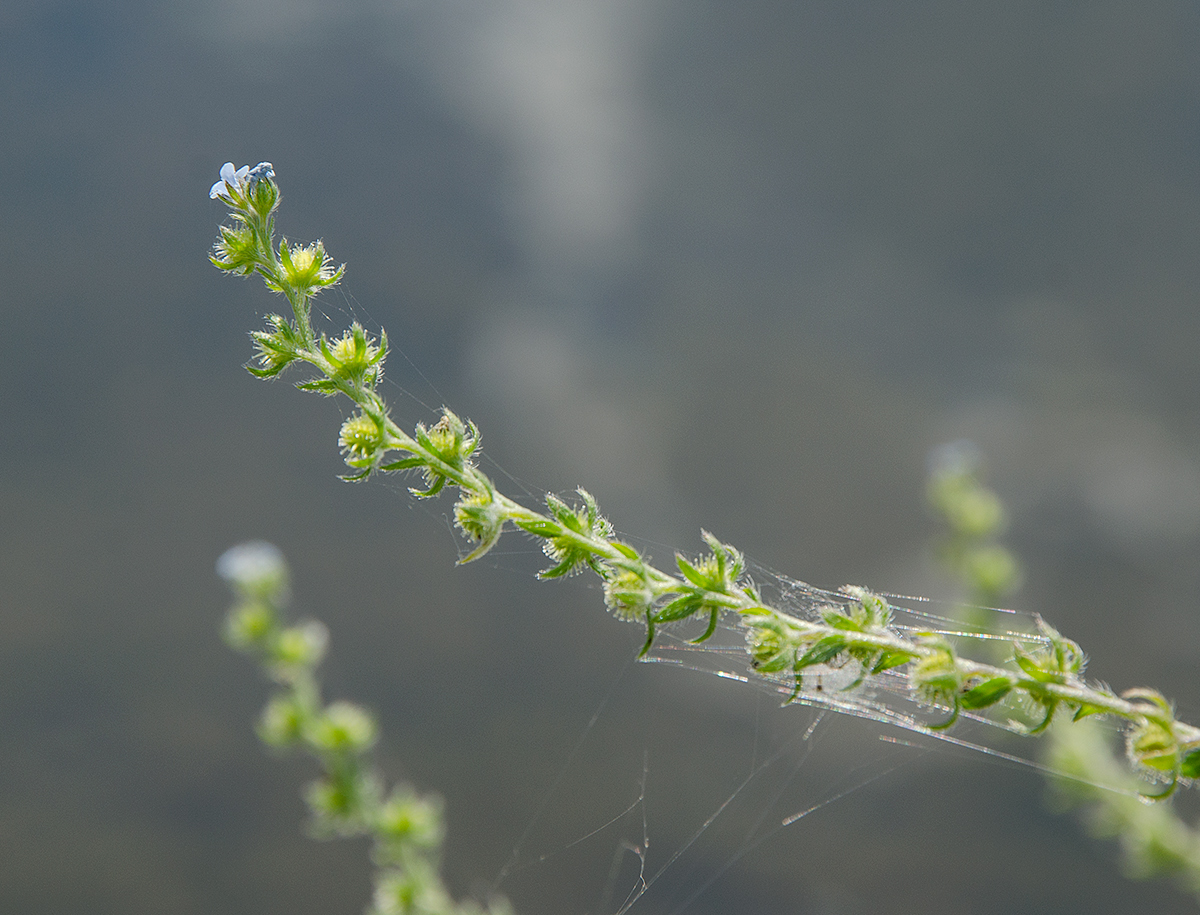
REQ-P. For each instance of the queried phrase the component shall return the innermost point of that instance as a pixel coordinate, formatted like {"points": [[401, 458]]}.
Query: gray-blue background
{"points": [[732, 265]]}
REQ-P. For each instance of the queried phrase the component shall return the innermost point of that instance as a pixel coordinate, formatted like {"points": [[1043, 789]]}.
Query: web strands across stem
{"points": [[887, 698]]}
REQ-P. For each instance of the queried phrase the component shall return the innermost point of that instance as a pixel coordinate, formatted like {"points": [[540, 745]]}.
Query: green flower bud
{"points": [[628, 594], [361, 439], [249, 625], [566, 551], [868, 613], [414, 890], [770, 652], [338, 801], [450, 441], [342, 728], [307, 268], [481, 518], [719, 571], [300, 646], [409, 821], [936, 678], [355, 356], [263, 196], [236, 251], [1153, 745], [281, 723], [1059, 659], [277, 348]]}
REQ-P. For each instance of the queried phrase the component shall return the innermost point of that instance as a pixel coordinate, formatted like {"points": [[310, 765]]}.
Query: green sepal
{"points": [[889, 659], [269, 372], [986, 693], [712, 627], [649, 635], [434, 488], [839, 620], [1086, 710], [540, 527], [1035, 670], [680, 608], [325, 386], [822, 652], [718, 572], [1051, 707], [568, 554], [404, 464], [563, 568], [1190, 765], [691, 573], [776, 664]]}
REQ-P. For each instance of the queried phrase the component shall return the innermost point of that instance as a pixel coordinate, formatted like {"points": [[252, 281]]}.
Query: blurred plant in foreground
{"points": [[1085, 770], [851, 631]]}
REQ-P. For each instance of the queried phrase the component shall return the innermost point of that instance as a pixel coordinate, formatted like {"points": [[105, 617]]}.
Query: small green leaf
{"points": [[1190, 767], [823, 651], [680, 608], [986, 693], [690, 572], [270, 371], [776, 664], [712, 627], [566, 567], [649, 635], [889, 659], [1038, 673], [404, 464], [434, 488], [1085, 710], [326, 386], [839, 620], [1051, 706], [540, 527]]}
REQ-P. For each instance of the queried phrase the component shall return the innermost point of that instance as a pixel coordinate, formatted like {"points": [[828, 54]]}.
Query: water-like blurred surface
{"points": [[731, 265]]}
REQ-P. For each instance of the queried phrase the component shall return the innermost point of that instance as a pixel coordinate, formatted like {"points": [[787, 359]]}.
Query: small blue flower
{"points": [[231, 180], [260, 172], [240, 180]]}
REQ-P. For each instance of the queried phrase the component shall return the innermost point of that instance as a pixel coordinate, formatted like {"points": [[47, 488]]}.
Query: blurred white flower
{"points": [[253, 566]]}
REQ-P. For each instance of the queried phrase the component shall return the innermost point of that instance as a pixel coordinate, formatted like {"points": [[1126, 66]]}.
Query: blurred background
{"points": [[738, 266]]}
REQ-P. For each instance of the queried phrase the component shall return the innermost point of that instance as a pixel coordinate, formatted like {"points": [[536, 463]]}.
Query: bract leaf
{"points": [[986, 693]]}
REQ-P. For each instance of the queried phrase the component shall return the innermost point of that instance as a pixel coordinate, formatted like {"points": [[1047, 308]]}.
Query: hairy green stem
{"points": [[852, 627]]}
